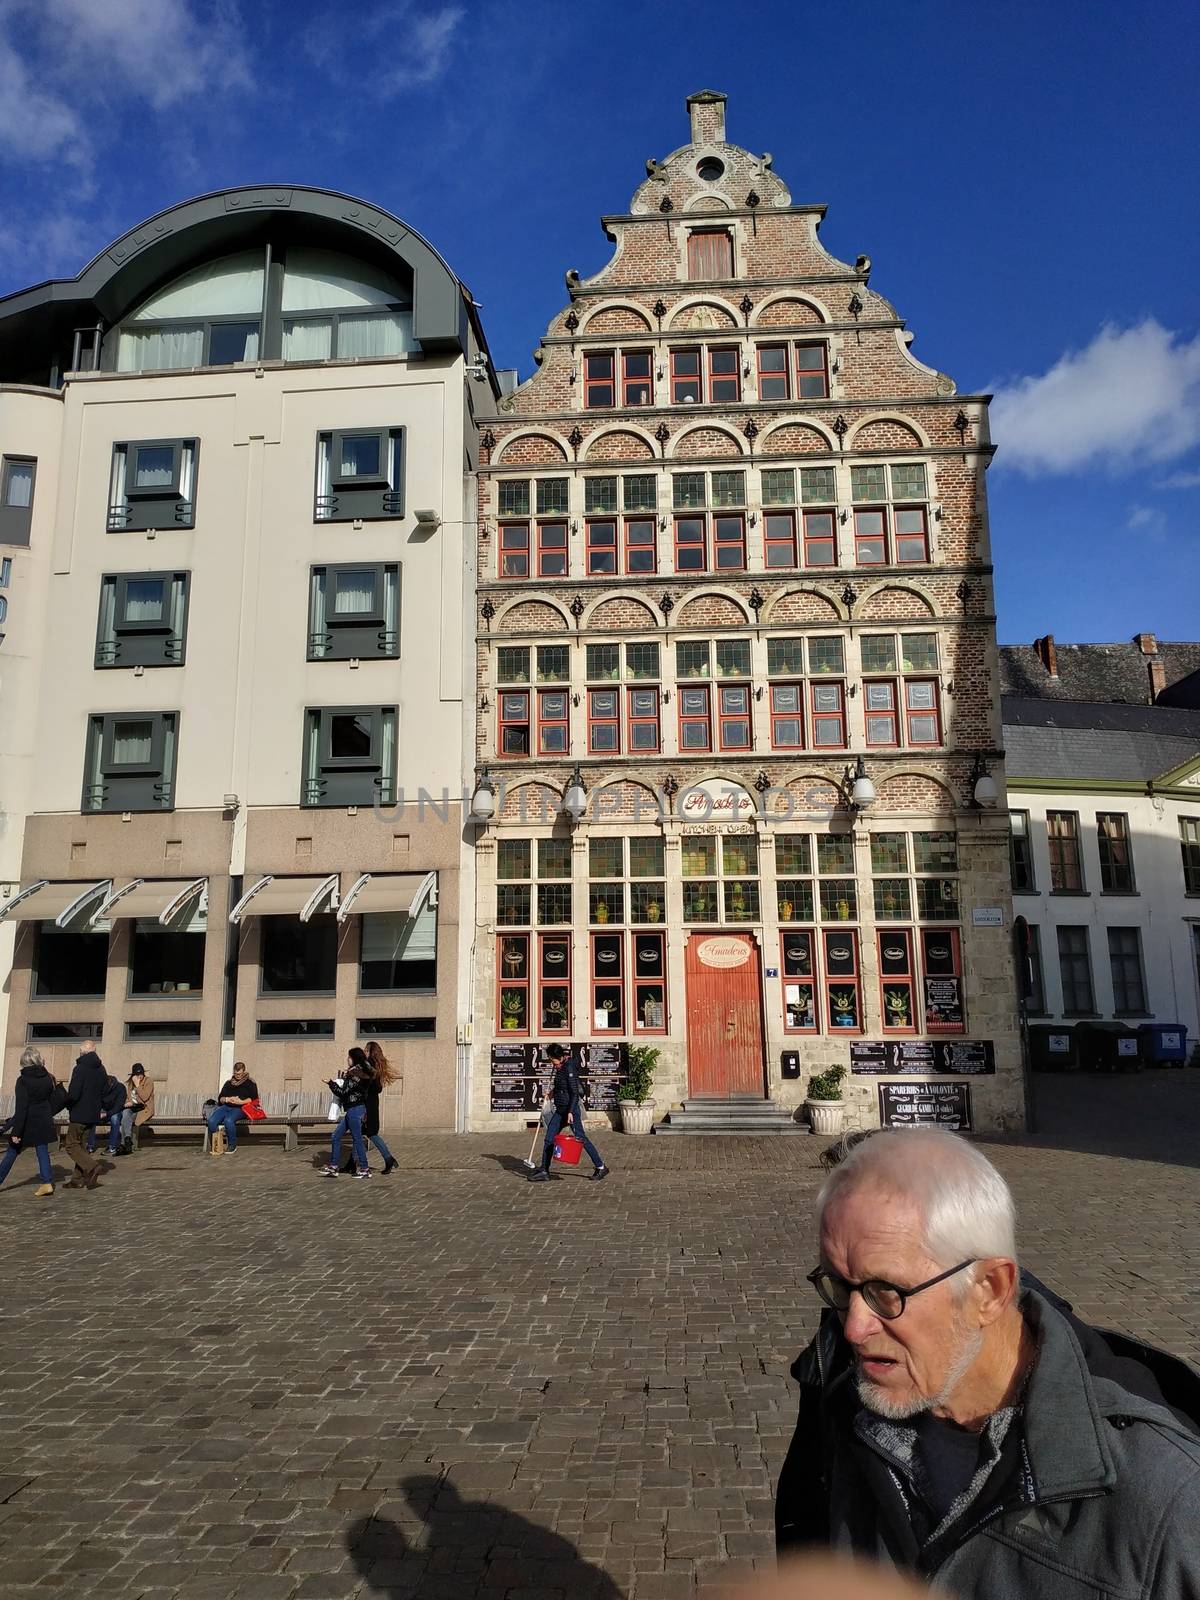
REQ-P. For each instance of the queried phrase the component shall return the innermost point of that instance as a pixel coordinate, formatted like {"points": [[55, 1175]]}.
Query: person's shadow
{"points": [[470, 1547]]}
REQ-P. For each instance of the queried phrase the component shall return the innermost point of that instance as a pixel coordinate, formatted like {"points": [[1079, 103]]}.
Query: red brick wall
{"points": [[618, 445], [710, 611]]}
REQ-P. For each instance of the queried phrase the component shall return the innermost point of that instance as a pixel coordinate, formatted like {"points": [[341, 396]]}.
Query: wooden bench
{"points": [[291, 1113]]}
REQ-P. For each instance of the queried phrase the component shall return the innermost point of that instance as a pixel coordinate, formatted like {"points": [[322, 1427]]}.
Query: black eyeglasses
{"points": [[886, 1300]]}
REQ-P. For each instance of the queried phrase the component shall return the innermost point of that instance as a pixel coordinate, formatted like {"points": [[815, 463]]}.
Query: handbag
{"points": [[568, 1149], [253, 1110]]}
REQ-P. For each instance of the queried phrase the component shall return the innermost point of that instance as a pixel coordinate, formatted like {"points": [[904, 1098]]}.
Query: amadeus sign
{"points": [[717, 802]]}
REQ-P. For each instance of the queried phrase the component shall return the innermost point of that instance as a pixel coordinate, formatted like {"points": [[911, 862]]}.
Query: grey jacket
{"points": [[1094, 1495]]}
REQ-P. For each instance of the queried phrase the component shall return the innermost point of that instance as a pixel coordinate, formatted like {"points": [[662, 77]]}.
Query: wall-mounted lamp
{"points": [[428, 521], [745, 369], [484, 703], [985, 792], [574, 800], [483, 801], [843, 516], [660, 373], [754, 519], [666, 697], [758, 694], [857, 788]]}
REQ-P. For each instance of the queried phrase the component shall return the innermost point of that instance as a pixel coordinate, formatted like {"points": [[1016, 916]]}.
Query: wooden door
{"points": [[724, 1016]]}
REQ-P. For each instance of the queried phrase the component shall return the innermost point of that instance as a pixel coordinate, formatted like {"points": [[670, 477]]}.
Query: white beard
{"points": [[878, 1400]]}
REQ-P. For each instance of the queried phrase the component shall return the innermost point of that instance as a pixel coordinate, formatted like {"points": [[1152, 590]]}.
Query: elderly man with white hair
{"points": [[956, 1420]]}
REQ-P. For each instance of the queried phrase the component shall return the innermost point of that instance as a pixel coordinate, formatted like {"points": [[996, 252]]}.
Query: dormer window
{"points": [[209, 317], [710, 254]]}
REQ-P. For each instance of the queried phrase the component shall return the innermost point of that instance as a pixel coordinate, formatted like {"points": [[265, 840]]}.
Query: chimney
{"points": [[1146, 643], [706, 112], [1158, 678], [1049, 656]]}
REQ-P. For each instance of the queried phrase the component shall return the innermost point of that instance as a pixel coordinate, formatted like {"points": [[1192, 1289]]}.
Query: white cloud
{"points": [[1179, 480], [35, 123], [1130, 395], [412, 45], [1147, 520]]}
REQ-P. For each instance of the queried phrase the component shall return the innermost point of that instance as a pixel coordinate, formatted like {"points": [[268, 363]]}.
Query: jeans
{"points": [[352, 1119], [42, 1152], [558, 1121], [226, 1117], [377, 1140], [127, 1117], [114, 1134]]}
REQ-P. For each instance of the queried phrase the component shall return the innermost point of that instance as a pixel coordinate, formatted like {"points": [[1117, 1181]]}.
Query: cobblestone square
{"points": [[233, 1378]]}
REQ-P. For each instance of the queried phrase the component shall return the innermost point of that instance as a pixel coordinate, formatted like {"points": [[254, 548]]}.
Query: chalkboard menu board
{"points": [[521, 1075], [925, 1105], [924, 1058], [943, 1005]]}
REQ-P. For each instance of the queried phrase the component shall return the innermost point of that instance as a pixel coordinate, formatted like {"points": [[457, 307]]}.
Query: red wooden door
{"points": [[724, 1015]]}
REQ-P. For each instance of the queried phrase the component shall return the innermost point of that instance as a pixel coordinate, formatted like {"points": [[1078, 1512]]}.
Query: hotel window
{"points": [[637, 378], [773, 381], [17, 475], [70, 963], [354, 612], [1020, 846], [1189, 845], [1075, 969], [1116, 858], [143, 619], [1066, 868], [169, 960], [360, 474], [906, 709], [709, 254], [130, 761], [1128, 976], [297, 957], [349, 756], [720, 878], [153, 485], [398, 952], [711, 373]]}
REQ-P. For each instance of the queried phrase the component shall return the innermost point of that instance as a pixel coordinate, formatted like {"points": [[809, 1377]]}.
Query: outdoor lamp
{"points": [[984, 790], [574, 800], [483, 801], [863, 793]]}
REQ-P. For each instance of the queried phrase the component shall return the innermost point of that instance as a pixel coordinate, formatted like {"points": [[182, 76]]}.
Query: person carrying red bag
{"points": [[567, 1097]]}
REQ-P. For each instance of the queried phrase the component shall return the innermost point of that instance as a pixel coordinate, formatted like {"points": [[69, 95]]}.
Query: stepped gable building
{"points": [[236, 456], [735, 610]]}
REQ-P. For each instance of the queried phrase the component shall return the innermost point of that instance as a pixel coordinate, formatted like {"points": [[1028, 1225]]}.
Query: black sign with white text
{"points": [[925, 1105], [925, 1058], [521, 1075]]}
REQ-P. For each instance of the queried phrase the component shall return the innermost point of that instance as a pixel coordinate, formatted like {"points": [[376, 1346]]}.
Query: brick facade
{"points": [[721, 387]]}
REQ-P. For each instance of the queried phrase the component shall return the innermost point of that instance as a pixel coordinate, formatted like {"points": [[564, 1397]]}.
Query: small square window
{"points": [[878, 652], [868, 483], [729, 488], [603, 662], [154, 469], [919, 652], [354, 612], [688, 491], [778, 486], [641, 492], [606, 858], [152, 485], [553, 663], [908, 481], [512, 664], [130, 762], [359, 459], [733, 658], [826, 655], [360, 474], [143, 619], [691, 658], [349, 756], [512, 858], [817, 486], [785, 658]]}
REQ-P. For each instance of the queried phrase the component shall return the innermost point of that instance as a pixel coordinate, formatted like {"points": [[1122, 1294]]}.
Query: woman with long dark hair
{"points": [[351, 1093], [382, 1074]]}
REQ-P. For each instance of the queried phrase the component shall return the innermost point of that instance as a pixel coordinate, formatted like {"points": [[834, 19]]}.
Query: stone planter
{"points": [[825, 1116], [636, 1118]]}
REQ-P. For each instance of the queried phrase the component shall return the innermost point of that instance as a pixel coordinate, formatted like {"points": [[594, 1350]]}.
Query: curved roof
{"points": [[35, 322]]}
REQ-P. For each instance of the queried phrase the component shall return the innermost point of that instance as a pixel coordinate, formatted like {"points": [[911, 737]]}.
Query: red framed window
{"points": [[641, 545], [779, 539], [798, 966], [870, 536], [599, 379], [685, 376], [828, 715], [734, 720], [897, 982], [552, 549], [710, 254], [729, 542], [879, 704], [911, 532], [922, 711], [601, 545], [695, 723], [514, 722], [820, 539], [608, 981], [554, 983], [554, 737], [773, 372], [649, 983], [787, 716], [604, 721], [637, 378], [691, 546], [514, 549], [941, 964], [812, 371], [645, 731], [512, 990], [724, 374], [843, 986]]}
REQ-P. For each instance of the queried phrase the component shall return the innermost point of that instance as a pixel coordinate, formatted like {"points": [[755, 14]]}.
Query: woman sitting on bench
{"points": [[228, 1111]]}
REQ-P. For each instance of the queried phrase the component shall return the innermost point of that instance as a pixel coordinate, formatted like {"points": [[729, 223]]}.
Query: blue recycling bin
{"points": [[1163, 1043]]}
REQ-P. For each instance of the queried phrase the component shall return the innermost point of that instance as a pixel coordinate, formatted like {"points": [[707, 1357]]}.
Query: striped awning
{"points": [[386, 891], [60, 903], [287, 897], [162, 899]]}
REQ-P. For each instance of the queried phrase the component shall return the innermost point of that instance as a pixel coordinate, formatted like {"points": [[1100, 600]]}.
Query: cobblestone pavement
{"points": [[232, 1378]]}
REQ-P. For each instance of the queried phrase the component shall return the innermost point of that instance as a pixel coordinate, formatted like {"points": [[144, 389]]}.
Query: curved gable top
{"points": [[166, 246]]}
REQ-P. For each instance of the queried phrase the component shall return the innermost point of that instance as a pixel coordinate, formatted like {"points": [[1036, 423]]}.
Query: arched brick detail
{"points": [[892, 602], [806, 796], [534, 616], [912, 791], [795, 439], [621, 612], [788, 312], [699, 442], [618, 444], [711, 611], [529, 802], [702, 314], [887, 434], [626, 801], [617, 319], [531, 450], [801, 605]]}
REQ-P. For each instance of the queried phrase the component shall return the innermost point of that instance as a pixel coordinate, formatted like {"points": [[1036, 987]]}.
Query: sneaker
{"points": [[44, 1189], [600, 1172], [329, 1172], [540, 1176], [390, 1165], [364, 1172]]}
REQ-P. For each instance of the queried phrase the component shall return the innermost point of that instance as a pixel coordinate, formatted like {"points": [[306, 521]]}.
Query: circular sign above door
{"points": [[723, 952]]}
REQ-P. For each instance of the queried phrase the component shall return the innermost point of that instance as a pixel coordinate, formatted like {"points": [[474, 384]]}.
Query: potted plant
{"points": [[843, 910], [510, 1009], [602, 911], [637, 1108], [824, 1103], [785, 911]]}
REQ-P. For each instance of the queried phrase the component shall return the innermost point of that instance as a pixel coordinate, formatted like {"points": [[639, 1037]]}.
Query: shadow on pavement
{"points": [[509, 1163], [1152, 1115], [470, 1547]]}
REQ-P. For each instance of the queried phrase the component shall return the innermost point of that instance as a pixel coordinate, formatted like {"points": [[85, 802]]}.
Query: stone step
{"points": [[745, 1117], [757, 1130]]}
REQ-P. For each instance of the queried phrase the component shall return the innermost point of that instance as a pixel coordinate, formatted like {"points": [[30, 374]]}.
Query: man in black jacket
{"points": [[85, 1106], [567, 1095]]}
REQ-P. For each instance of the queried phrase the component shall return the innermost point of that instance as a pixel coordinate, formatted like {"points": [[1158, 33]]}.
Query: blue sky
{"points": [[1024, 179]]}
